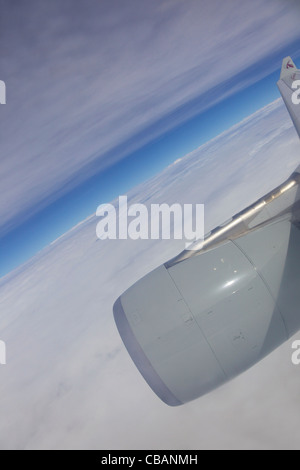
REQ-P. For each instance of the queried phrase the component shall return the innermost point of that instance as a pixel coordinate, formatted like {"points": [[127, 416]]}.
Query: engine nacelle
{"points": [[191, 326]]}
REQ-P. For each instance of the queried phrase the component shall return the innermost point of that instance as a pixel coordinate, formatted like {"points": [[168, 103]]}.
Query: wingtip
{"points": [[288, 66]]}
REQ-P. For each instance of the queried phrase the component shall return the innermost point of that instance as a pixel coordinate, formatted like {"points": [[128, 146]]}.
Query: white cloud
{"points": [[83, 82], [69, 383]]}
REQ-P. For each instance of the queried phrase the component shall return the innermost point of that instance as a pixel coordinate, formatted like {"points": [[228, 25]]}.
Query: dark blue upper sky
{"points": [[47, 189]]}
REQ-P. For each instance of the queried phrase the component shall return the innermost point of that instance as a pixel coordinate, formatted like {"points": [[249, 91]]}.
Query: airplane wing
{"points": [[212, 312]]}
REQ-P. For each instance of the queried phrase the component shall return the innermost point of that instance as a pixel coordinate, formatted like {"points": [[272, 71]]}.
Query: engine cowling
{"points": [[192, 326]]}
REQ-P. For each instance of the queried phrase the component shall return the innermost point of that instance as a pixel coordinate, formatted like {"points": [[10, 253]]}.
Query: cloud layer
{"points": [[69, 383], [85, 81]]}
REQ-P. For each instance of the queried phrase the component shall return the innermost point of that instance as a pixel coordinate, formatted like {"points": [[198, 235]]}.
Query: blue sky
{"points": [[112, 94]]}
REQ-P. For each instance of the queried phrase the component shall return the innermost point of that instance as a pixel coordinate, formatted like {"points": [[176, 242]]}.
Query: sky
{"points": [[103, 95], [69, 383]]}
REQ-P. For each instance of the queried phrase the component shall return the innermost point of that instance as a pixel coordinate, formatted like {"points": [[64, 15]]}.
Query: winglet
{"points": [[288, 79], [288, 66]]}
